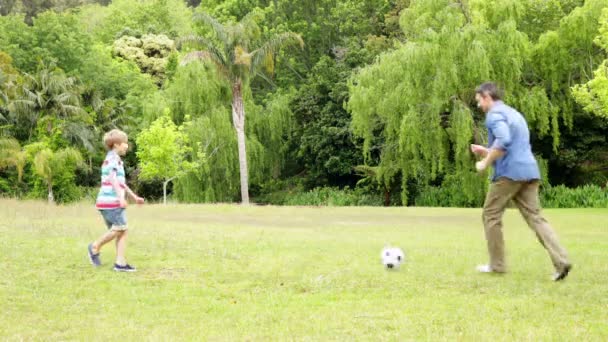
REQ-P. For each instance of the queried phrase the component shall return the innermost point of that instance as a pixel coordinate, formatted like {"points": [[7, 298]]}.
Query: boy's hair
{"points": [[113, 137], [490, 89]]}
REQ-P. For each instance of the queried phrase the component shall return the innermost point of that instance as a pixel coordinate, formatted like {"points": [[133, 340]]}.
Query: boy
{"points": [[111, 201]]}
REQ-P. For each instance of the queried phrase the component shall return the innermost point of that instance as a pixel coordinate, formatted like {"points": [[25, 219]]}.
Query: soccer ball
{"points": [[392, 257]]}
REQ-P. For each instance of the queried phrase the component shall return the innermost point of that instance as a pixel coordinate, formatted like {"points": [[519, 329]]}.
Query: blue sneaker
{"points": [[125, 268], [94, 258]]}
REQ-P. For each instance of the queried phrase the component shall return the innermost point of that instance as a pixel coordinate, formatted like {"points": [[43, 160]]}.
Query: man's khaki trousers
{"points": [[525, 196]]}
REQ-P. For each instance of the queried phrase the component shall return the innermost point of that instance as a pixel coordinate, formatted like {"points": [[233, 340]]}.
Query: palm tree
{"points": [[3, 96], [238, 59], [376, 176], [47, 164], [11, 155], [50, 94], [7, 90]]}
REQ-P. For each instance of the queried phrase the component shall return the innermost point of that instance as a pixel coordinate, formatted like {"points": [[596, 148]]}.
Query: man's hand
{"points": [[492, 155], [139, 200], [481, 165], [479, 150]]}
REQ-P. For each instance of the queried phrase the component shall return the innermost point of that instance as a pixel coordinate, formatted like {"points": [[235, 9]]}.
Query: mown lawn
{"points": [[226, 273]]}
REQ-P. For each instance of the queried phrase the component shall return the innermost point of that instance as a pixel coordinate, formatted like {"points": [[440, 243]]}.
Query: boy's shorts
{"points": [[115, 219]]}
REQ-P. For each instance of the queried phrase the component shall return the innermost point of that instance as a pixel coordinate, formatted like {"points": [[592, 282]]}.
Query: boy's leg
{"points": [[121, 246], [121, 264], [494, 207], [121, 243], [105, 238], [528, 203], [115, 220]]}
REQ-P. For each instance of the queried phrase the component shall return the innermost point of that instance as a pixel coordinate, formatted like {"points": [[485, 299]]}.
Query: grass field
{"points": [[230, 273]]}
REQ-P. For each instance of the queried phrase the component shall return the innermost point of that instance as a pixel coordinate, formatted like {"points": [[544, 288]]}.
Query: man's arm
{"points": [[479, 150], [491, 156], [502, 139]]}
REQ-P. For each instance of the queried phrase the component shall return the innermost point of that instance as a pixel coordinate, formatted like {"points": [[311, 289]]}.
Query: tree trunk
{"points": [[238, 120], [50, 197], [387, 197], [165, 192], [165, 183]]}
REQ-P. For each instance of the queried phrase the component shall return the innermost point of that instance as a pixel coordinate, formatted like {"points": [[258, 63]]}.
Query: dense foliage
{"points": [[372, 105]]}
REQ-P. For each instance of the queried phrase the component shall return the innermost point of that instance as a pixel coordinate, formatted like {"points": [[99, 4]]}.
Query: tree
{"points": [[17, 40], [565, 57], [11, 155], [48, 164], [150, 53], [8, 84], [324, 142], [136, 18], [51, 99], [7, 7], [369, 177], [238, 60], [561, 60], [420, 96], [163, 151], [55, 37], [199, 102], [593, 95], [538, 17]]}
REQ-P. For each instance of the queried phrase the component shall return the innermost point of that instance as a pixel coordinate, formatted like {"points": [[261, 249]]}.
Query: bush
{"points": [[456, 191], [64, 190], [452, 195], [294, 194], [587, 196], [333, 196]]}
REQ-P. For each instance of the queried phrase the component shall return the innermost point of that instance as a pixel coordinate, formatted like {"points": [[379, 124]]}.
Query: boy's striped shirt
{"points": [[107, 197]]}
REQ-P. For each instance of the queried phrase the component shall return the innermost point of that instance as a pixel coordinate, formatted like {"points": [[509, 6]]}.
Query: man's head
{"points": [[116, 140], [486, 94]]}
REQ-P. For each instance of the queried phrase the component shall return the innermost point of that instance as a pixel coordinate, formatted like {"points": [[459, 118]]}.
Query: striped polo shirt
{"points": [[107, 197]]}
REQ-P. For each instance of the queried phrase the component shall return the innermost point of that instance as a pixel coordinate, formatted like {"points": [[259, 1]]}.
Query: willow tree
{"points": [[565, 57], [199, 102], [239, 56], [421, 95], [593, 95]]}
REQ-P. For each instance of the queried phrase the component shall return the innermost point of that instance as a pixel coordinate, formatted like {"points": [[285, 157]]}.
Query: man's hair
{"points": [[114, 137], [490, 89]]}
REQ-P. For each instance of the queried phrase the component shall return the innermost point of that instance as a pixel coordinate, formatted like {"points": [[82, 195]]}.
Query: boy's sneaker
{"points": [[94, 258], [125, 268]]}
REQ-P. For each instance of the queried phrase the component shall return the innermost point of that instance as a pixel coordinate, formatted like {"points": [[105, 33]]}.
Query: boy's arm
{"points": [[119, 191], [137, 199]]}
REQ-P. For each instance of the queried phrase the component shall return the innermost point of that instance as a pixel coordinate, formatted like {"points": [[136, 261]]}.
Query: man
{"points": [[516, 177]]}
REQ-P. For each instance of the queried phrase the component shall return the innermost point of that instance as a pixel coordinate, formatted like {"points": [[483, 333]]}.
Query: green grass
{"points": [[224, 273]]}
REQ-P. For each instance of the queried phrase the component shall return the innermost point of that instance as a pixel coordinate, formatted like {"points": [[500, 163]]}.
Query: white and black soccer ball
{"points": [[392, 257]]}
